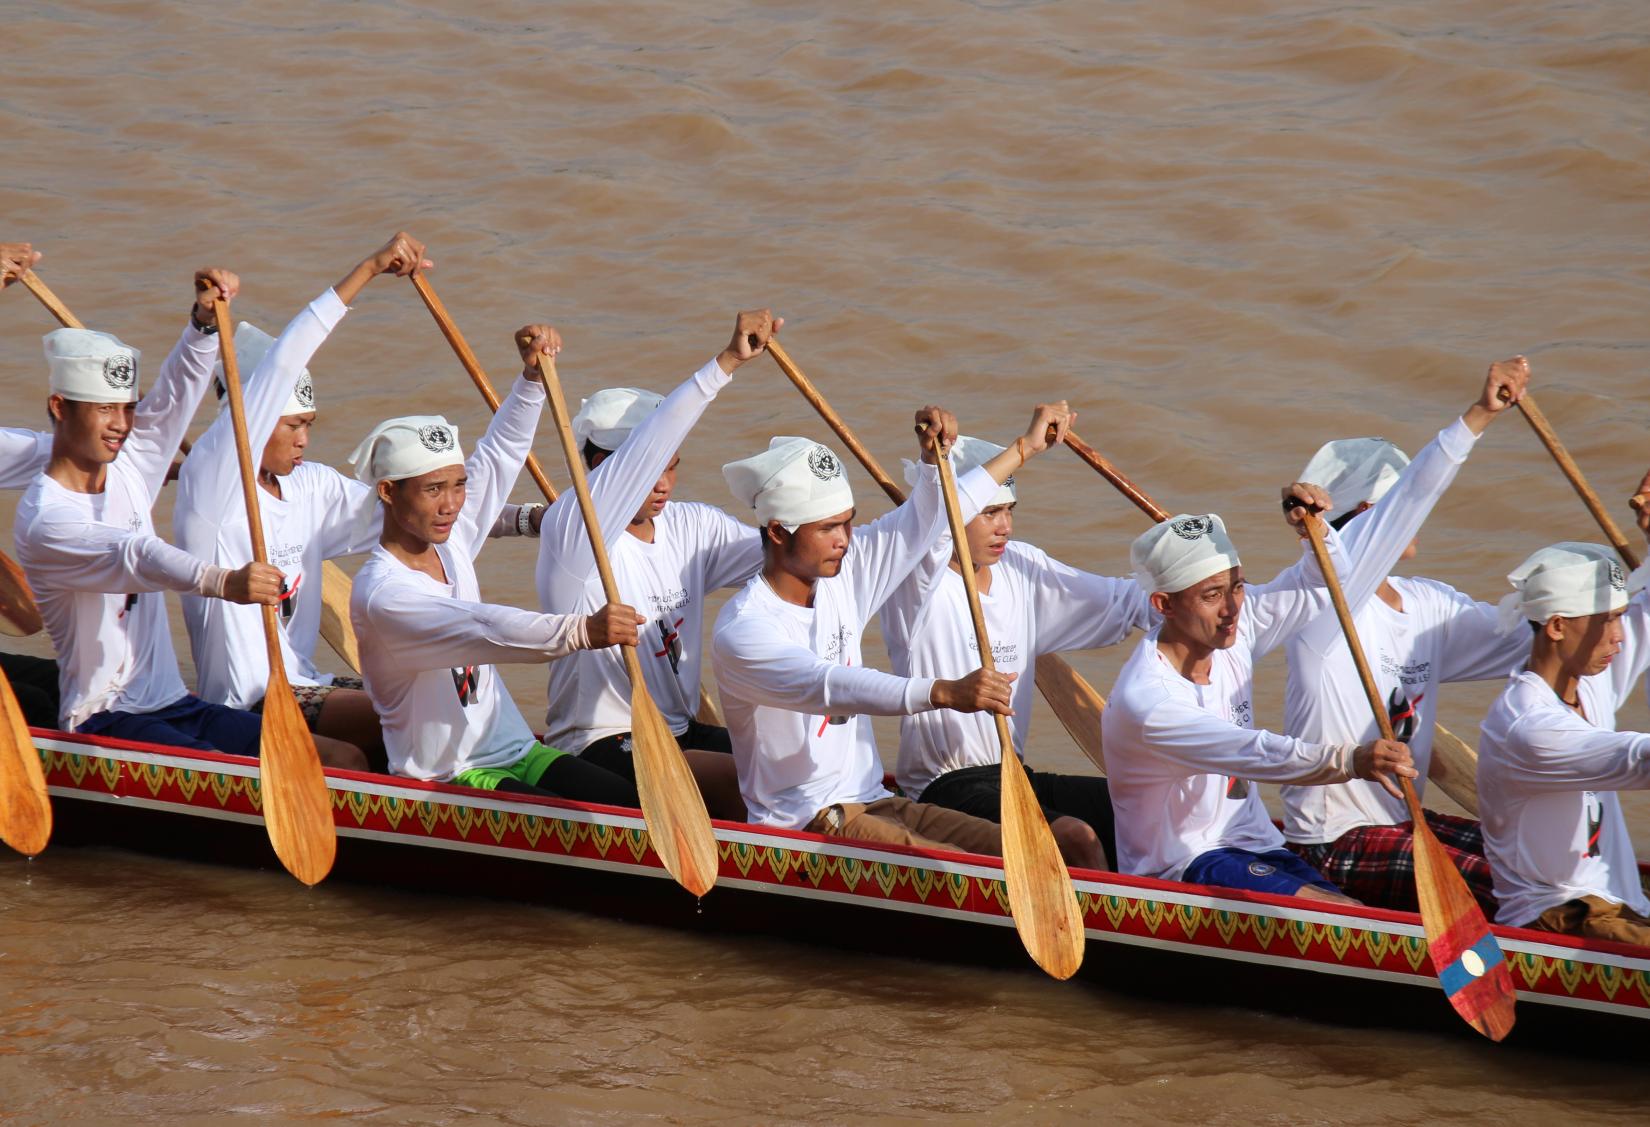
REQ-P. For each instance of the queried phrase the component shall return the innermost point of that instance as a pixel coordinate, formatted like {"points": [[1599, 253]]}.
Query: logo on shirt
{"points": [[1595, 822], [671, 634], [1261, 869], [1401, 712], [824, 464], [120, 371], [304, 392], [436, 439], [465, 682], [1191, 528]]}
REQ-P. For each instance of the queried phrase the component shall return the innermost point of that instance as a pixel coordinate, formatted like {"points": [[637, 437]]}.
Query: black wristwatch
{"points": [[206, 330]]}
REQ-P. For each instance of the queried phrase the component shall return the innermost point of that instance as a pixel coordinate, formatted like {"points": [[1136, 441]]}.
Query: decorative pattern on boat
{"points": [[1141, 916]]}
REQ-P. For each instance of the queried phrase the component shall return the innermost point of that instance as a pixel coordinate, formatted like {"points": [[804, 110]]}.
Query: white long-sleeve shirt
{"points": [[1036, 605], [1547, 782], [1180, 754], [23, 453], [428, 648], [795, 691], [320, 514], [696, 548], [98, 569], [1441, 635]]}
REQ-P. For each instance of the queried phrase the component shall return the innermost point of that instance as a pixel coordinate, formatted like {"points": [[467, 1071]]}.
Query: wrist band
{"points": [[204, 330], [1020, 448], [524, 520]]}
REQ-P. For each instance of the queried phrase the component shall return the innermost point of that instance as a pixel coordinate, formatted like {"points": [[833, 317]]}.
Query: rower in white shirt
{"points": [[88, 546], [23, 454], [311, 513], [428, 642], [1033, 604], [1551, 761], [1418, 634], [1182, 751], [666, 555], [786, 649]]}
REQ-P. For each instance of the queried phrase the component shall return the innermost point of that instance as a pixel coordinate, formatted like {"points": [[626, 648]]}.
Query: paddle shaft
{"points": [[478, 376], [249, 475], [1111, 473], [834, 421], [47, 298], [1578, 481]]}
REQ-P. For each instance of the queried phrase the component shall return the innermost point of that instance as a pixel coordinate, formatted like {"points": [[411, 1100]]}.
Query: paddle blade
{"points": [[25, 810], [672, 806], [1469, 962], [1076, 704], [336, 627], [1040, 894], [297, 804], [19, 616], [1454, 768]]}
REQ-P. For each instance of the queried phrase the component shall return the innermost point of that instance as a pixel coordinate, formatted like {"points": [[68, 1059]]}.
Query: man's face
{"points": [[1587, 645], [91, 432], [285, 449], [426, 506], [1206, 613], [989, 534], [662, 489], [814, 550]]}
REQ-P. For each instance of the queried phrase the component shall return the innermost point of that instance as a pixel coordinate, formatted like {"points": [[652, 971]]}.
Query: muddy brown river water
{"points": [[1225, 231]]}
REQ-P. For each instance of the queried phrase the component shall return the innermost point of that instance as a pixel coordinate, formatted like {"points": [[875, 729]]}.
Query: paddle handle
{"points": [[473, 366], [1314, 534], [834, 421], [47, 298], [1111, 473], [1578, 481], [575, 470], [965, 560]]}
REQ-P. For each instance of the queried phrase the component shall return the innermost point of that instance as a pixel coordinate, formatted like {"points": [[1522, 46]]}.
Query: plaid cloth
{"points": [[1376, 864], [312, 697]]}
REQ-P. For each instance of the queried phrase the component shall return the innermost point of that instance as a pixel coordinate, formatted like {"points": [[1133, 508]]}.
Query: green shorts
{"points": [[529, 769]]}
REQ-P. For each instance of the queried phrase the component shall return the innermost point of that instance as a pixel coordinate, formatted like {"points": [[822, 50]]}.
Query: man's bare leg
{"points": [[348, 715], [337, 753], [719, 783]]}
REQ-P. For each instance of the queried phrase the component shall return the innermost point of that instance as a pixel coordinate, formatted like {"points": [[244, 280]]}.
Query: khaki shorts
{"points": [[312, 697]]}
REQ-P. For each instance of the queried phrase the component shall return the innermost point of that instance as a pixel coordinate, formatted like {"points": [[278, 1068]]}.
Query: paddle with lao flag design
{"points": [[1469, 962]]}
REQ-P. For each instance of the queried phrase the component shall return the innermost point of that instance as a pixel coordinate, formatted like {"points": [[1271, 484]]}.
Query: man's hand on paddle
{"points": [[211, 283], [1312, 498], [1640, 502], [613, 625], [980, 691], [1382, 760], [254, 584], [1504, 386], [933, 421], [533, 341], [400, 256], [15, 260], [750, 336]]}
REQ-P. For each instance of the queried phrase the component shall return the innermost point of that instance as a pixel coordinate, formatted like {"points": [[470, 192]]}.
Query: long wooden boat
{"points": [[1148, 936]]}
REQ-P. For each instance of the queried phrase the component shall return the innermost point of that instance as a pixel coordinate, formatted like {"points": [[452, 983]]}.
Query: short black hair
{"points": [[592, 454], [1340, 522]]}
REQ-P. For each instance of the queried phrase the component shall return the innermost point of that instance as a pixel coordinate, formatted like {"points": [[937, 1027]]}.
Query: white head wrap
{"points": [[91, 367], [252, 344], [966, 454], [607, 418], [794, 481], [1181, 551], [1355, 470], [1569, 580], [406, 447]]}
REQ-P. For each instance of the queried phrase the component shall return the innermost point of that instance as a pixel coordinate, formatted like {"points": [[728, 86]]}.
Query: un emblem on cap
{"points": [[304, 392], [120, 371], [1618, 578], [435, 438], [1191, 528], [824, 464]]}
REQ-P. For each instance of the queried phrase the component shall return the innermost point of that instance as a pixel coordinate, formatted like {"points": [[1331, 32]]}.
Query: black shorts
{"points": [[613, 752], [34, 683], [979, 791]]}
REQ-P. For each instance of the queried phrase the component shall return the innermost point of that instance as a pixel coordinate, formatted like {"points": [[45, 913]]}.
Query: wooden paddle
{"points": [[708, 712], [1578, 480], [671, 803], [19, 614], [1076, 703], [25, 808], [1040, 896], [1464, 953], [296, 803], [1454, 765]]}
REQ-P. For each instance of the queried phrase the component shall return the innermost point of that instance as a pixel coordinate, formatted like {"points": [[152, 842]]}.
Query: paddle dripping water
{"points": [[1225, 232]]}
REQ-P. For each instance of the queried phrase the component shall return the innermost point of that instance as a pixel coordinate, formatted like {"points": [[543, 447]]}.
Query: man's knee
{"points": [[339, 753], [1079, 844]]}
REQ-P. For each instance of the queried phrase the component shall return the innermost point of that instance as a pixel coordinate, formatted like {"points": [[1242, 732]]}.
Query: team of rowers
{"points": [[1180, 745]]}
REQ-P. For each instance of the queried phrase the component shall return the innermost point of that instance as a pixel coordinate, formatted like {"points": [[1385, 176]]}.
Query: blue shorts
{"points": [[190, 722], [1277, 871]]}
